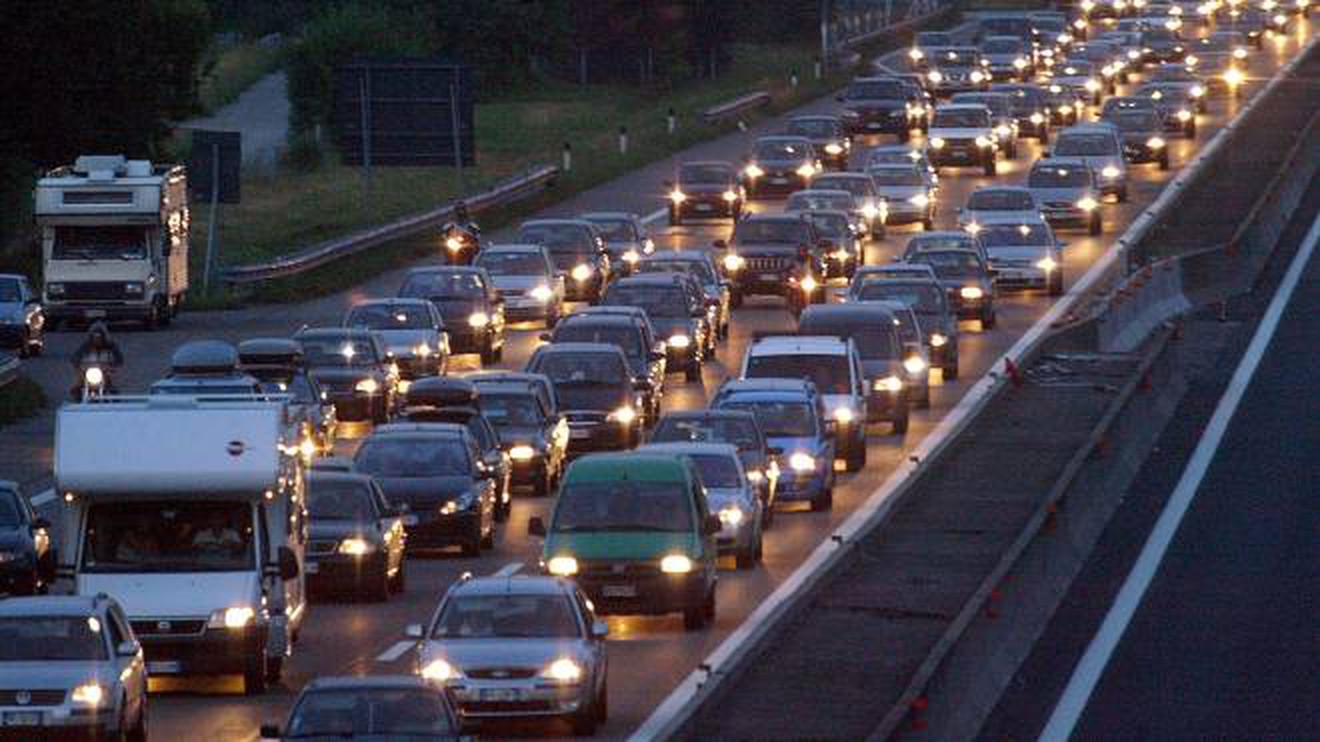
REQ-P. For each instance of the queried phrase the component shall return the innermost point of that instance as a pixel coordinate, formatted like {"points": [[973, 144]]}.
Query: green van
{"points": [[634, 531]]}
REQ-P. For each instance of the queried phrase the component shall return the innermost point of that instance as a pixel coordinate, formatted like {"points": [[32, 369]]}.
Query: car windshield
{"points": [[627, 337], [759, 231], [169, 537], [998, 106], [834, 226], [1171, 73], [716, 471], [511, 263], [1115, 105], [511, 410], [51, 639], [389, 317], [779, 419], [698, 269], [1022, 99], [872, 343], [960, 57], [818, 201], [878, 89], [444, 285], [740, 433], [923, 297], [9, 292], [1009, 235], [10, 513], [582, 368], [339, 500], [705, 174], [1159, 35], [658, 301], [386, 713], [338, 351], [1085, 145], [830, 372], [557, 238], [897, 176], [616, 230], [934, 38], [940, 242], [961, 119], [101, 242], [1075, 68], [1168, 94], [780, 150], [409, 457], [623, 505], [1000, 200], [1137, 121], [507, 617], [856, 186], [1002, 46], [950, 262], [814, 128], [1050, 176]]}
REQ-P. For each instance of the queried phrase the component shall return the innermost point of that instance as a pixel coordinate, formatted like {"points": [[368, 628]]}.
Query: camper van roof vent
{"points": [[139, 168], [101, 166]]}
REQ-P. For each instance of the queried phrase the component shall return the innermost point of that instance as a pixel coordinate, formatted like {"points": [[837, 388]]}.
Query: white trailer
{"points": [[114, 239], [191, 512]]}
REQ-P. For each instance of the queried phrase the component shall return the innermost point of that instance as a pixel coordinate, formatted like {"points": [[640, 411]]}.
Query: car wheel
{"points": [[542, 486], [904, 134], [472, 547], [274, 670], [746, 559], [378, 585], [138, 732], [988, 320], [924, 402], [694, 619], [583, 721], [901, 422], [1189, 130], [928, 224], [603, 703], [488, 354], [1164, 161], [674, 219], [1096, 227], [254, 675], [488, 539], [951, 371], [1044, 136], [990, 166], [1056, 285], [857, 456], [1123, 195], [824, 502], [693, 371]]}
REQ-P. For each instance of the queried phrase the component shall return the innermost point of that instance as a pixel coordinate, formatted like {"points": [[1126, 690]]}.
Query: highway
{"points": [[649, 656]]}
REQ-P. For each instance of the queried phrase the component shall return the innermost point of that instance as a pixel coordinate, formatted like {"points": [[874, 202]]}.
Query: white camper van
{"points": [[114, 239], [190, 511]]}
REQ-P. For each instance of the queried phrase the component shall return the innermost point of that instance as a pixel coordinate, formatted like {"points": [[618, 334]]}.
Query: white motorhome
{"points": [[114, 239], [191, 512]]}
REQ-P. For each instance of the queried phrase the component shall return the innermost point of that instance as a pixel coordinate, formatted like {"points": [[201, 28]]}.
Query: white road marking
{"points": [[41, 498], [399, 649], [654, 216], [508, 570], [1092, 665]]}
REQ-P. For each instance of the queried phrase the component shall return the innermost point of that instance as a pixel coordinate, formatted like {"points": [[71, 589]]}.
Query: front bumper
{"points": [[603, 436], [13, 334], [358, 405], [643, 590], [883, 121], [416, 367], [208, 652], [336, 571], [763, 283], [903, 212], [529, 471], [467, 339], [795, 487], [517, 698], [1020, 277], [959, 153], [704, 205], [523, 308], [432, 530], [588, 290], [1067, 216], [111, 311], [776, 183], [884, 406], [64, 720]]}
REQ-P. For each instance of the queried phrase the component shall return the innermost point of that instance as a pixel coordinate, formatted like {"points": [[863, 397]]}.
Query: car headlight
{"points": [[1191, 60], [920, 200], [133, 288], [755, 476], [844, 415], [971, 292], [478, 319], [1020, 63], [367, 386], [542, 294], [1091, 85], [730, 196], [678, 342], [1133, 54], [983, 142], [631, 256], [675, 564], [806, 170], [563, 670], [1087, 203], [1184, 115], [677, 196], [1110, 172], [834, 149], [231, 618], [88, 694], [1003, 130], [454, 244], [938, 340], [888, 384], [732, 516], [802, 462], [753, 171], [915, 54], [355, 547], [1155, 143], [937, 142], [581, 272], [1239, 53], [1047, 264], [973, 228], [1233, 76], [976, 76], [869, 211], [562, 566], [809, 284], [1197, 91], [914, 364], [625, 415], [733, 262], [440, 671], [93, 376], [935, 76], [522, 453], [307, 448]]}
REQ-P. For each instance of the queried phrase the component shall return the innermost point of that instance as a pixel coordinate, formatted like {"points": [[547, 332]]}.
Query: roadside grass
{"points": [[233, 69], [21, 398]]}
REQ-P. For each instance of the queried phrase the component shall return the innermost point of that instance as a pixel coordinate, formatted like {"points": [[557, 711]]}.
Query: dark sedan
{"points": [[352, 368], [705, 189], [966, 280], [29, 561], [646, 355], [679, 321], [578, 251], [596, 394], [780, 165], [737, 428], [470, 305], [355, 537], [377, 708], [827, 135], [533, 435]]}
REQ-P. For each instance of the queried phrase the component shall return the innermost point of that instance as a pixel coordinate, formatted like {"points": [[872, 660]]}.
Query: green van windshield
{"points": [[624, 506]]}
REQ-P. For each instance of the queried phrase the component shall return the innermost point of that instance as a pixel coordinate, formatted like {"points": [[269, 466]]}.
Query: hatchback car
{"points": [[963, 135], [1001, 117], [1025, 256], [1143, 136], [470, 305], [532, 433], [412, 331], [841, 252], [966, 279], [596, 392], [926, 296], [736, 428], [22, 321], [699, 265], [625, 237], [352, 367], [1030, 108], [868, 206], [1100, 146], [770, 255], [29, 561], [1068, 192], [1176, 107], [908, 195], [70, 667], [377, 707], [681, 322], [872, 329], [995, 204], [705, 189], [954, 70], [355, 537], [730, 495], [517, 648], [827, 134], [526, 279], [881, 105], [636, 534], [646, 357], [780, 165], [578, 252]]}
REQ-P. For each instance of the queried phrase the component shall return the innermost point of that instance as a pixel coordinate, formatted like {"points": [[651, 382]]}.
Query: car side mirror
{"points": [[271, 731], [711, 525], [128, 648], [600, 629], [413, 631], [288, 562], [536, 527], [720, 244]]}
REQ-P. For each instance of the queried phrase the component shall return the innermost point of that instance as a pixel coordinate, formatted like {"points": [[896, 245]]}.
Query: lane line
{"points": [[1091, 667], [508, 570], [42, 498], [654, 216], [396, 651]]}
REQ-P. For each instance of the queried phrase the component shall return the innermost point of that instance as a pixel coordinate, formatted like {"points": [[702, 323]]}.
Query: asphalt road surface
{"points": [[649, 656]]}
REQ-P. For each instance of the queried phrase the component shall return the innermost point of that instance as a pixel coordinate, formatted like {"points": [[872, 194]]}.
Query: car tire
{"points": [[1044, 136], [990, 168], [824, 502], [584, 721], [928, 224], [988, 320], [378, 584], [400, 582], [1189, 131], [924, 402], [904, 134], [1095, 227], [543, 485], [138, 732], [901, 422], [694, 619], [950, 371], [603, 703], [746, 559], [487, 354], [488, 539], [1164, 161], [1056, 284], [1123, 195], [693, 371], [472, 547], [856, 458], [674, 219], [254, 675]]}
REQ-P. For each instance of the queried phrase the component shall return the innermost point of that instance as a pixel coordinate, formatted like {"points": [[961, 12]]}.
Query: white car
{"points": [[998, 205], [1099, 145], [963, 134]]}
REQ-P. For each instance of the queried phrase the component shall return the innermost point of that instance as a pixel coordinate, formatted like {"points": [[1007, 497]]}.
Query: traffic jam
{"points": [[652, 409]]}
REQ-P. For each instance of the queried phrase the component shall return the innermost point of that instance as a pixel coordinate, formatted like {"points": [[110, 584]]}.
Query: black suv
{"points": [[882, 105], [645, 355], [773, 258], [596, 393], [578, 251], [469, 304], [677, 312]]}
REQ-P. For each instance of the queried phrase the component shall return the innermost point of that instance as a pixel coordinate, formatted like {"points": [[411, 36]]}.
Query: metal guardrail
{"points": [[9, 366], [513, 189], [757, 99]]}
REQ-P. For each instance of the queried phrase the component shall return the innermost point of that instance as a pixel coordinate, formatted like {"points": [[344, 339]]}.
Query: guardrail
{"points": [[757, 99], [513, 189], [9, 366]]}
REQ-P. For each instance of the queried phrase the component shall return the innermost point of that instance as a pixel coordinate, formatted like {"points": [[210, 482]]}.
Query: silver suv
{"points": [[71, 664]]}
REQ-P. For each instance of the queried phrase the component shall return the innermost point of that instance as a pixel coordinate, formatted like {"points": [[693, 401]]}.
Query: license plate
{"points": [[163, 667], [768, 277], [618, 591], [502, 694], [22, 718], [311, 568], [779, 180], [704, 207], [579, 434], [94, 314]]}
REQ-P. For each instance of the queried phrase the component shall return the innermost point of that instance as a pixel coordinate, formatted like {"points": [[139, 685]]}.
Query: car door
{"points": [[390, 518], [132, 669]]}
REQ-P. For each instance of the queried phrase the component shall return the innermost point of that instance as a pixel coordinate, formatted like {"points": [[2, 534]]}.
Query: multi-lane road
{"points": [[649, 656]]}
